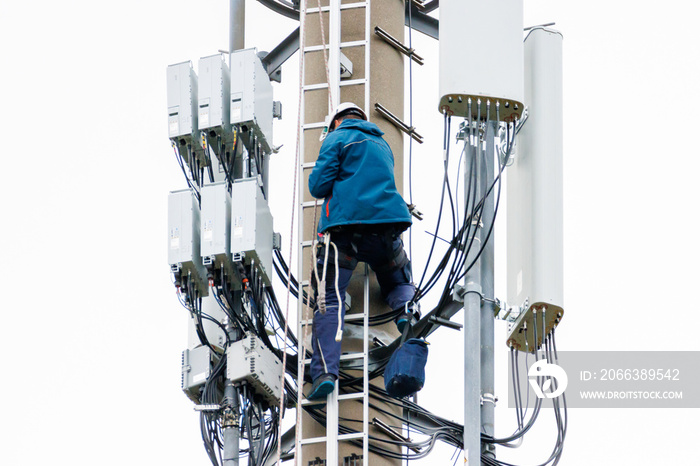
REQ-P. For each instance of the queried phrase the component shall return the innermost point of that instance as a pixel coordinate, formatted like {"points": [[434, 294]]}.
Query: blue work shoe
{"points": [[323, 385]]}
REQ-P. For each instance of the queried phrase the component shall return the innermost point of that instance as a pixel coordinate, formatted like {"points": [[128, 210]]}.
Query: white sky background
{"points": [[92, 331]]}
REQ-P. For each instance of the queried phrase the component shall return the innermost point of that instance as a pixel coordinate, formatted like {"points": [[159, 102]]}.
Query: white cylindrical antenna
{"points": [[481, 56], [535, 186]]}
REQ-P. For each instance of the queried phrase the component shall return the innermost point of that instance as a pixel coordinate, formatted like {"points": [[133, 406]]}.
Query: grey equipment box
{"points": [[251, 227], [182, 102], [183, 239], [250, 360], [251, 96], [196, 369], [214, 97], [216, 229]]}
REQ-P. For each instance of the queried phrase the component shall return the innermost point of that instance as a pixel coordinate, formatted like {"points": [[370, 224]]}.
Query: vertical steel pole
{"points": [[231, 418], [236, 41], [236, 33], [472, 323], [487, 288], [231, 440]]}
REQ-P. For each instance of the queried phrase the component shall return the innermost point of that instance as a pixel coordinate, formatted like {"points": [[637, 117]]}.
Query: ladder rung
{"points": [[320, 124], [315, 9], [308, 441], [353, 317], [353, 82], [314, 87], [348, 318], [351, 396], [352, 43], [347, 6], [351, 436], [344, 6], [352, 356], [347, 82], [306, 402], [344, 357]]}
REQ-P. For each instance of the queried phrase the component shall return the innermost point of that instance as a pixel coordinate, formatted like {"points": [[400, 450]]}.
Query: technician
{"points": [[363, 216]]}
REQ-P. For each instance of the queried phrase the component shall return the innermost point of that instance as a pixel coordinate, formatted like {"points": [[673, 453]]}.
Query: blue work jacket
{"points": [[355, 174]]}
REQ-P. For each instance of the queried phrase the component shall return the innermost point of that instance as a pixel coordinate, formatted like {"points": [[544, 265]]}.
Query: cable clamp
{"points": [[459, 292], [488, 398], [229, 418]]}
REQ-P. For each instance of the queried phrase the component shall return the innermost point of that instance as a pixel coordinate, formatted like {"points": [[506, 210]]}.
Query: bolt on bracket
{"points": [[410, 130], [391, 40]]}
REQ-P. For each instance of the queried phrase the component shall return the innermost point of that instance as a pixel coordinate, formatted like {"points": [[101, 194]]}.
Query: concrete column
{"points": [[386, 83]]}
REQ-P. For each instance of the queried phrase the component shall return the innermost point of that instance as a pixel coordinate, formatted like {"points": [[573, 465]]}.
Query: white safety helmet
{"points": [[346, 108]]}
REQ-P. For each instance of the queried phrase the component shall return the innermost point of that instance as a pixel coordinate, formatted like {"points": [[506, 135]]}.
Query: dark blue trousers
{"points": [[384, 253]]}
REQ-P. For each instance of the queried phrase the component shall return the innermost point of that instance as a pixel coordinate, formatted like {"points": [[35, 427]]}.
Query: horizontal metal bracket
{"points": [[445, 322], [391, 40], [207, 408], [410, 130]]}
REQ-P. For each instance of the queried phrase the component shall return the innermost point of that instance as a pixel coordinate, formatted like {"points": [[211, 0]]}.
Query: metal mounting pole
{"points": [[231, 436], [230, 418], [488, 403], [479, 397], [236, 35], [472, 328]]}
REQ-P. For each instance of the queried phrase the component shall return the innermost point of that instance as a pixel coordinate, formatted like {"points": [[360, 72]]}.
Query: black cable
{"points": [[410, 123], [180, 162], [437, 226]]}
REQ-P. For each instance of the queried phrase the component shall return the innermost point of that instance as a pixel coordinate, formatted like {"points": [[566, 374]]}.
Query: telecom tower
{"points": [[246, 366]]}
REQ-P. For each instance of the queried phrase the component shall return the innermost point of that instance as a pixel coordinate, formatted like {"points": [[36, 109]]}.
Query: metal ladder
{"points": [[334, 46], [332, 436]]}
